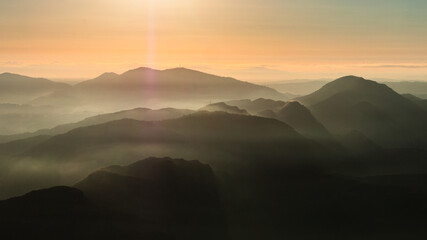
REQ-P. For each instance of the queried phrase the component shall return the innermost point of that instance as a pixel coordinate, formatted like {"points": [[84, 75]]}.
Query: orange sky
{"points": [[253, 40]]}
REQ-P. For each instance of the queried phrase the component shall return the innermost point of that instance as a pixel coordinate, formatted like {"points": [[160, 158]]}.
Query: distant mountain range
{"points": [[145, 87], [20, 89], [213, 129], [143, 114], [16, 118]]}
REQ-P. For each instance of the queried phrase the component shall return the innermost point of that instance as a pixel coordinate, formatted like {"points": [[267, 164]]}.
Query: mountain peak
{"points": [[352, 82], [344, 85], [350, 78], [187, 71], [292, 107], [293, 104], [180, 69], [299, 117], [139, 70], [107, 75]]}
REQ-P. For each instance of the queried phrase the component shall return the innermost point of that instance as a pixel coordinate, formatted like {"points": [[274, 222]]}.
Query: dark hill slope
{"points": [[353, 103], [179, 196], [143, 114]]}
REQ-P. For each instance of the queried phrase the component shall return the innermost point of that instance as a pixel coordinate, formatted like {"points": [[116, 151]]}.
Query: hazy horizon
{"points": [[242, 75], [252, 41]]}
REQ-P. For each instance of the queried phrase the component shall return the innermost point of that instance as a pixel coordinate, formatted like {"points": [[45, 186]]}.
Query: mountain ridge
{"points": [[144, 87]]}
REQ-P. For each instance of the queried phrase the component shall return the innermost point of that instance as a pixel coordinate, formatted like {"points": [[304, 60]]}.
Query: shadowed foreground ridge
{"points": [[156, 198], [177, 195]]}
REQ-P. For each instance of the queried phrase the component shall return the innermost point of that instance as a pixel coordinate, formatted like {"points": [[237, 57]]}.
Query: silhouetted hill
{"points": [[146, 87], [55, 213], [223, 107], [257, 105], [179, 196], [156, 198], [143, 114], [20, 89], [353, 103], [300, 118], [66, 213]]}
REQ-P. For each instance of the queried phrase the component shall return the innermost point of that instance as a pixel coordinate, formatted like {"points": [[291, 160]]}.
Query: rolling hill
{"points": [[143, 114], [217, 130]]}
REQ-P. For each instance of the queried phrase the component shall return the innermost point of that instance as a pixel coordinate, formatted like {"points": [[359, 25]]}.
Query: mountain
{"points": [[20, 89], [300, 118], [225, 141], [143, 114], [292, 113], [257, 105], [144, 87], [58, 212], [177, 195], [353, 103], [213, 129], [419, 101], [156, 198], [223, 107]]}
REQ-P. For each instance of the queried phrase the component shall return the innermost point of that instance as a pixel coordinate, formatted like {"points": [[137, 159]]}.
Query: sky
{"points": [[252, 40]]}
